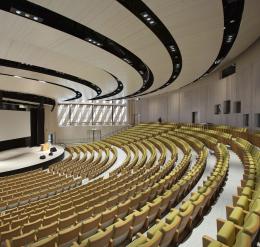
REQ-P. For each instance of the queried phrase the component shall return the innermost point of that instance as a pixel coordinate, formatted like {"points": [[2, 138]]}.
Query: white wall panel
{"points": [[203, 95]]}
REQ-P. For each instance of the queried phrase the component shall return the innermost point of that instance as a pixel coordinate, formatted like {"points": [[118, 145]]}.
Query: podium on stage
{"points": [[45, 146]]}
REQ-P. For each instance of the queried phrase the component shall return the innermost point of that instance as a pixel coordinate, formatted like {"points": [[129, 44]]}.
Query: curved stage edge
{"points": [[44, 165]]}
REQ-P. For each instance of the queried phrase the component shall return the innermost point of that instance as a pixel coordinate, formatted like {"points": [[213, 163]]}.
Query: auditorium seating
{"points": [[150, 191]]}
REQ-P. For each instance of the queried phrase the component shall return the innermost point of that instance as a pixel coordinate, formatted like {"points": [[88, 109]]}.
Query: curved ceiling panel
{"points": [[39, 14], [116, 22], [10, 83], [249, 30], [18, 47], [196, 26]]}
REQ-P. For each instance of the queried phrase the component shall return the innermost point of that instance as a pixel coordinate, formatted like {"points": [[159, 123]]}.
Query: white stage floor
{"points": [[20, 158]]}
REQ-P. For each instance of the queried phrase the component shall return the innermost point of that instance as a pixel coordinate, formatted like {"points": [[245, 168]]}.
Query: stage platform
{"points": [[28, 158]]}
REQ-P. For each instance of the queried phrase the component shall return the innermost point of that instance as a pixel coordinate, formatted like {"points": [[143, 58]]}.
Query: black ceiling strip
{"points": [[46, 71], [77, 93], [28, 98], [233, 11], [52, 19], [146, 15], [118, 90]]}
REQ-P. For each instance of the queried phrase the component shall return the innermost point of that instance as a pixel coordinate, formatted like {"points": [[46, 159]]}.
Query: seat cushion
{"points": [[247, 192], [157, 227], [243, 239], [250, 184], [215, 243], [184, 206], [251, 225], [170, 216], [255, 207], [243, 202], [237, 216], [227, 234]]}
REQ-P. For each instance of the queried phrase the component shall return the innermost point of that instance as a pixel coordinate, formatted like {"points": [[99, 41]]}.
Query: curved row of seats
{"points": [[241, 228], [112, 211], [179, 222], [148, 213], [150, 174], [27, 187], [143, 186]]}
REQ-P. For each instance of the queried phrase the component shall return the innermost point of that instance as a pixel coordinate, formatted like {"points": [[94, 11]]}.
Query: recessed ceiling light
{"points": [[27, 15], [35, 18], [232, 21], [152, 22], [145, 15], [149, 19], [18, 12]]}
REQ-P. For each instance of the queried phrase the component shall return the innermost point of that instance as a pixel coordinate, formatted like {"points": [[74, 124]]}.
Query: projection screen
{"points": [[14, 124]]}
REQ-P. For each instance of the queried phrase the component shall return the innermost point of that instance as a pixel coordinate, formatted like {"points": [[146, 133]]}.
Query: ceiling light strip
{"points": [[148, 17], [233, 11], [118, 90]]}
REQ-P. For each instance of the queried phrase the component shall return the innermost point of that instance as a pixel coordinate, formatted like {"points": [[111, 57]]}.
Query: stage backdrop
{"points": [[15, 129]]}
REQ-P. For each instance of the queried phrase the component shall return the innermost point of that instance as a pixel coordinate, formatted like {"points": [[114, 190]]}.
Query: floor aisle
{"points": [[209, 225]]}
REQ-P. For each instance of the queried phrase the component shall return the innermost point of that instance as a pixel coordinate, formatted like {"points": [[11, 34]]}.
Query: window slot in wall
{"points": [[228, 71], [237, 107], [245, 120], [195, 117], [227, 107], [217, 109], [257, 120]]}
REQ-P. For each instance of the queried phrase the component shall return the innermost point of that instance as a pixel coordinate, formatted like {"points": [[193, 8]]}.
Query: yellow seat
{"points": [[45, 231], [67, 236], [21, 240], [50, 241], [121, 231], [89, 227], [102, 238]]}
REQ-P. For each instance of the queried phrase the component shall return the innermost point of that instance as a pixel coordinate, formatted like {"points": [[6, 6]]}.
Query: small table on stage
{"points": [[45, 146]]}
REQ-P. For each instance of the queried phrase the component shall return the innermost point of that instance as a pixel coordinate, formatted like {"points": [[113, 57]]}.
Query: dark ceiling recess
{"points": [[119, 89], [71, 27], [233, 11], [145, 14], [25, 97], [77, 93]]}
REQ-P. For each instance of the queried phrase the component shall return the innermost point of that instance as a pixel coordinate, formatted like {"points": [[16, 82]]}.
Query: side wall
{"points": [[202, 96]]}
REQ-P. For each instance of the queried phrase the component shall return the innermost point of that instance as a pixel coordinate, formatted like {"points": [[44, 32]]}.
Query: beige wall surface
{"points": [[74, 134], [203, 95]]}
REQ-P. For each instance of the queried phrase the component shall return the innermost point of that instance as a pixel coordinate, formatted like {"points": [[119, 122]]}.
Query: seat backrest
{"points": [[66, 222], [30, 226], [47, 230], [68, 236], [50, 241], [102, 238], [50, 219], [23, 240], [121, 231], [85, 214], [10, 233]]}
